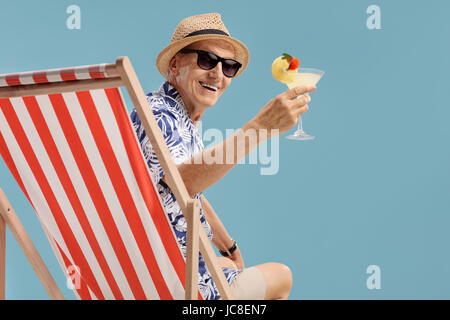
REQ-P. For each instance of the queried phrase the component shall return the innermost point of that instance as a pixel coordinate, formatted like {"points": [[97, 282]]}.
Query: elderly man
{"points": [[199, 65]]}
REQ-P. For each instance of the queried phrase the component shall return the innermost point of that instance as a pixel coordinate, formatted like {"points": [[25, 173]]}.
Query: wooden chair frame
{"points": [[119, 74]]}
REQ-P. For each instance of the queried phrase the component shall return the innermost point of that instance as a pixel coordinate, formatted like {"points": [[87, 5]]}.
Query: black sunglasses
{"points": [[207, 61]]}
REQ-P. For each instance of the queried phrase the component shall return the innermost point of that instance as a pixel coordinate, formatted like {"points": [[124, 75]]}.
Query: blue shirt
{"points": [[183, 141]]}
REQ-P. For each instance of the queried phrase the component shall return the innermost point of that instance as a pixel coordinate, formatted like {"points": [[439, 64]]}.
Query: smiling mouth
{"points": [[208, 86]]}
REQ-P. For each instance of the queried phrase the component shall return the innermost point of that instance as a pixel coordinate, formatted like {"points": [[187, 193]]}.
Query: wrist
{"points": [[230, 250], [254, 127], [254, 124]]}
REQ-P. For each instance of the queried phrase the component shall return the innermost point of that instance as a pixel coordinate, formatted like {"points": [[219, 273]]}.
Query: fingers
{"points": [[296, 106], [300, 102], [298, 91], [301, 105], [301, 110]]}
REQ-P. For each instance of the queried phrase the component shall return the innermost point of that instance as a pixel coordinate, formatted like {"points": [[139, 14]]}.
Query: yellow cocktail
{"points": [[285, 69]]}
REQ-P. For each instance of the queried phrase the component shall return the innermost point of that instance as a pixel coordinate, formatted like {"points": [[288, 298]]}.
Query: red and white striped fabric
{"points": [[77, 159], [53, 75]]}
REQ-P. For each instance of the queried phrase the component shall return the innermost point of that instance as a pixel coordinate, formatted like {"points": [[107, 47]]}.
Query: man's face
{"points": [[189, 77]]}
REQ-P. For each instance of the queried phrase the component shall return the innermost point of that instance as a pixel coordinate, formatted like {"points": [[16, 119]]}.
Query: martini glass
{"points": [[304, 76]]}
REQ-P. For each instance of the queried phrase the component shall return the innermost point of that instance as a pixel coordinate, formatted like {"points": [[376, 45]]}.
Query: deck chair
{"points": [[66, 137]]}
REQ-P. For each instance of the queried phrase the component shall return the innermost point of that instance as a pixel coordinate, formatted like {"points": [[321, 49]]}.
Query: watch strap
{"points": [[230, 250]]}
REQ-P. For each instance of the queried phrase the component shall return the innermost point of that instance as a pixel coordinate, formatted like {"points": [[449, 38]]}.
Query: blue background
{"points": [[372, 189]]}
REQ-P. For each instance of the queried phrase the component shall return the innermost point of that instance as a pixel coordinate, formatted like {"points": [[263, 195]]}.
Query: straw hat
{"points": [[200, 27]]}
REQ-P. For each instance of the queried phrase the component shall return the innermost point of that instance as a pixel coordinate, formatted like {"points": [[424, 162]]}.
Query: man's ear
{"points": [[173, 65]]}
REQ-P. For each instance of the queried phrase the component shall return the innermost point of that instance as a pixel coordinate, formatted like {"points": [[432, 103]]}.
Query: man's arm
{"points": [[198, 174], [221, 238], [278, 115]]}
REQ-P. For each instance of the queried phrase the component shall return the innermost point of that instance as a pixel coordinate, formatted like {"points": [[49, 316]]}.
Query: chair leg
{"points": [[2, 258], [192, 249], [15, 226]]}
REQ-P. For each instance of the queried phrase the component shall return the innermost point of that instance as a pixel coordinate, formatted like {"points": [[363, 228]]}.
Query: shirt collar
{"points": [[169, 91]]}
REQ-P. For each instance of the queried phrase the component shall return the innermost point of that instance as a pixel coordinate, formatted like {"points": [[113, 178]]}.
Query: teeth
{"points": [[208, 86]]}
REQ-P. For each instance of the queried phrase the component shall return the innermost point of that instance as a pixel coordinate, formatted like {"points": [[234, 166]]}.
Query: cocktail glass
{"points": [[304, 76]]}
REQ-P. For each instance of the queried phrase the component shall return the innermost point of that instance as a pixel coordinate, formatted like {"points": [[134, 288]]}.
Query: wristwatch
{"points": [[230, 251]]}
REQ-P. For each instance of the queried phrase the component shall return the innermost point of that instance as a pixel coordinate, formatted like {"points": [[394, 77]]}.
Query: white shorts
{"points": [[249, 285]]}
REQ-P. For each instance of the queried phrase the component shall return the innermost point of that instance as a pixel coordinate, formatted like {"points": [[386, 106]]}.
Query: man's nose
{"points": [[216, 72]]}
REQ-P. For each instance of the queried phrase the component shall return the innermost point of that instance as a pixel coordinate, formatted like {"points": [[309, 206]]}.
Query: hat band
{"points": [[207, 31]]}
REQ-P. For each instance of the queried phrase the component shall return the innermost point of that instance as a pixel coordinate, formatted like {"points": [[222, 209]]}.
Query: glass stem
{"points": [[300, 123]]}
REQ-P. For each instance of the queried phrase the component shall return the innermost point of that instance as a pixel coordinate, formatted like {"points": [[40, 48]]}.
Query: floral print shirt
{"points": [[183, 141]]}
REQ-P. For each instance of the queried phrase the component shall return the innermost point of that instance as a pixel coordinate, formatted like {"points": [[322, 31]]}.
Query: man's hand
{"points": [[282, 112]]}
